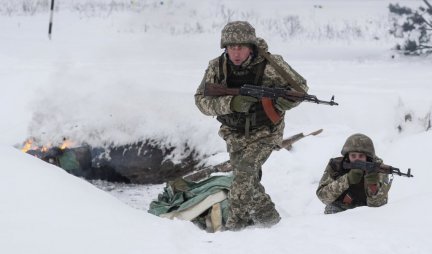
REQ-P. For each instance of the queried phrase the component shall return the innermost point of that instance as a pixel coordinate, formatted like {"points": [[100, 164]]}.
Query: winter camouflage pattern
{"points": [[238, 32], [215, 106], [331, 187], [248, 202], [359, 143]]}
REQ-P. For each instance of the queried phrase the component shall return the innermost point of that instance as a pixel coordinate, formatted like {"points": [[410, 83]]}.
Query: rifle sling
{"points": [[280, 70]]}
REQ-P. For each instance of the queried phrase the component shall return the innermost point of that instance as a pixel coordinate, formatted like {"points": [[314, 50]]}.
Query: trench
{"points": [[138, 163]]}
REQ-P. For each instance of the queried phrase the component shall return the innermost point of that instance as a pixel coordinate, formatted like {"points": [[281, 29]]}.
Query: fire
{"points": [[45, 148], [30, 144], [66, 144], [27, 145]]}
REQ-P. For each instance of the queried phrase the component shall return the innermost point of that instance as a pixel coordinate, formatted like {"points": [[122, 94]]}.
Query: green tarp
{"points": [[180, 194]]}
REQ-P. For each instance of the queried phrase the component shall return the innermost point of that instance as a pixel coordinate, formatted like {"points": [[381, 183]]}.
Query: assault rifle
{"points": [[370, 167], [266, 95]]}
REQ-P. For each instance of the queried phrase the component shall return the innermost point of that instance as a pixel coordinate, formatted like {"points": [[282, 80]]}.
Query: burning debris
{"points": [[47, 152], [142, 162]]}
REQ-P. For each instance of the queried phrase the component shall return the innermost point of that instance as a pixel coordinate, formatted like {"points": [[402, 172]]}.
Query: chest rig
{"points": [[356, 192], [234, 77]]}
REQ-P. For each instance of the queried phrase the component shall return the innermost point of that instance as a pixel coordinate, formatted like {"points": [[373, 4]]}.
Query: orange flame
{"points": [[66, 144], [27, 145], [45, 148], [30, 145]]}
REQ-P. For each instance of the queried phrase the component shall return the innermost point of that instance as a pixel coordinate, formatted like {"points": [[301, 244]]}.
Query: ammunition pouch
{"points": [[255, 119]]}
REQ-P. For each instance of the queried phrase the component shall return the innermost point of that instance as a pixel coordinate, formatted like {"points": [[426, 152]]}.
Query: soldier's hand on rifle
{"points": [[372, 183], [241, 103], [284, 104], [355, 175], [371, 178]]}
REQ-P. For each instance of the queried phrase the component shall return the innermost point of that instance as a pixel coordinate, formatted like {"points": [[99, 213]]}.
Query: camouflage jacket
{"points": [[334, 187], [219, 106]]}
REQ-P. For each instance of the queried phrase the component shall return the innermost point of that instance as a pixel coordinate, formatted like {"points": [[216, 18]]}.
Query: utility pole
{"points": [[51, 20]]}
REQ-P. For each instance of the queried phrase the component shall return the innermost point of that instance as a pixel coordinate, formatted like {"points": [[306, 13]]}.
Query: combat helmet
{"points": [[359, 143], [238, 32]]}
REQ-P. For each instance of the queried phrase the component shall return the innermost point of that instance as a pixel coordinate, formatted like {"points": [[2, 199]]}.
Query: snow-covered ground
{"points": [[123, 74]]}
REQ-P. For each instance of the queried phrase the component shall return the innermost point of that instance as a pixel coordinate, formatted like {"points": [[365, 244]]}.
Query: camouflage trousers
{"points": [[248, 202]]}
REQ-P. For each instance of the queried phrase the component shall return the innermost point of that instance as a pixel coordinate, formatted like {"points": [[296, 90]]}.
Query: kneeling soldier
{"points": [[342, 187]]}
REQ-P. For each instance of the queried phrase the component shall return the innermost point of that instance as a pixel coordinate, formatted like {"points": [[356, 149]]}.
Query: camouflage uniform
{"points": [[334, 189], [248, 202]]}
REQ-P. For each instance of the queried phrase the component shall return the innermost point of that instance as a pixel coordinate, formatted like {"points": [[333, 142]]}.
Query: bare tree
{"points": [[414, 28]]}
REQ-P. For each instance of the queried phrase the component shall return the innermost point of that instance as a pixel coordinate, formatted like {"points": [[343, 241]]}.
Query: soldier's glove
{"points": [[241, 103], [372, 181], [355, 175], [284, 104], [371, 178]]}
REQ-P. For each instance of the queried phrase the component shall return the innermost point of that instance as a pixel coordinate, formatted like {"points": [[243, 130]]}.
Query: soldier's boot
{"points": [[269, 219], [333, 208], [234, 223], [266, 215]]}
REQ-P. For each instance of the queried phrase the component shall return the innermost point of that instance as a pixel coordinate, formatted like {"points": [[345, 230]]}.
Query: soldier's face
{"points": [[354, 156], [238, 53]]}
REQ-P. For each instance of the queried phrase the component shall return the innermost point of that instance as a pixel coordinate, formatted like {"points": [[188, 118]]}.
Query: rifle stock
{"points": [[211, 89], [287, 143]]}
